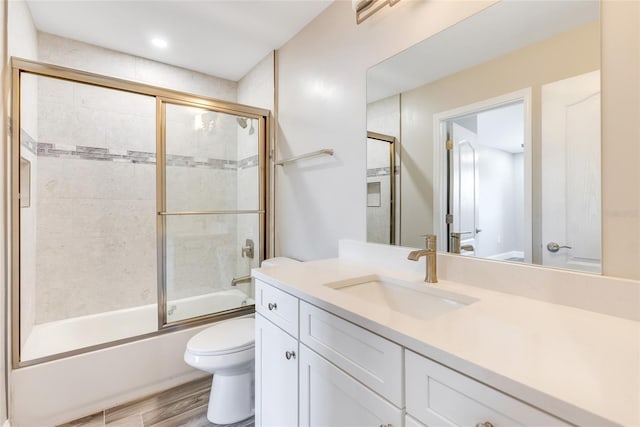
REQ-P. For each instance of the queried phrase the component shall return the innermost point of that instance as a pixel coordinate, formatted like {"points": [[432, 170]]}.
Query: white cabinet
{"points": [[316, 369], [439, 396], [331, 398], [276, 376], [374, 361]]}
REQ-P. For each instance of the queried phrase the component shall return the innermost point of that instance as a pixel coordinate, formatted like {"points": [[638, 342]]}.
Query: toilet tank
{"points": [[277, 261]]}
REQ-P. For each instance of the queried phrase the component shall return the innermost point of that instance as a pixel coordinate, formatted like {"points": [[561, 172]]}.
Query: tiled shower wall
{"points": [[96, 221]]}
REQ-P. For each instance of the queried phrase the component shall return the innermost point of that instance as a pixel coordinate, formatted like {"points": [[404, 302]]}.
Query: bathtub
{"points": [[48, 394], [78, 332]]}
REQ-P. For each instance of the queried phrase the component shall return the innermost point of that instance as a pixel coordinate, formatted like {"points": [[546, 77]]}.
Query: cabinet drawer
{"points": [[438, 396], [277, 306], [371, 359], [331, 398]]}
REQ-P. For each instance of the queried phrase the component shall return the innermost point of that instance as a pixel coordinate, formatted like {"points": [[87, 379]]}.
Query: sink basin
{"points": [[417, 300]]}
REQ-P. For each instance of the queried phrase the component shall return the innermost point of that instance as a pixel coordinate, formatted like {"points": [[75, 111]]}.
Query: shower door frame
{"points": [[391, 140], [161, 95]]}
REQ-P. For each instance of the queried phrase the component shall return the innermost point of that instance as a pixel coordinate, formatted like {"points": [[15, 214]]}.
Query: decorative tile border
{"points": [[130, 156], [248, 162], [27, 142], [379, 172]]}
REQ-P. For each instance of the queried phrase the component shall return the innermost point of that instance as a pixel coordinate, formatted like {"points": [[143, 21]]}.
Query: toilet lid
{"points": [[224, 337]]}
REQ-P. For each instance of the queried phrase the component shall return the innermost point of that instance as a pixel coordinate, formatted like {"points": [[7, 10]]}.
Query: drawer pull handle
{"points": [[272, 306], [484, 424], [386, 425], [292, 354]]}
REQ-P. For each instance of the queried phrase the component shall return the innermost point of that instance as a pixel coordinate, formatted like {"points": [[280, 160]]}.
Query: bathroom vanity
{"points": [[346, 342]]}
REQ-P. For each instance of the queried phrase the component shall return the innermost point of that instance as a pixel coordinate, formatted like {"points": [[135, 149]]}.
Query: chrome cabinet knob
{"points": [[290, 355], [272, 306], [555, 247], [484, 424]]}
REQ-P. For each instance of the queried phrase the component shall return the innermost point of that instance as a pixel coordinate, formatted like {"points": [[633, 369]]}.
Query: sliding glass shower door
{"points": [[211, 209], [134, 209]]}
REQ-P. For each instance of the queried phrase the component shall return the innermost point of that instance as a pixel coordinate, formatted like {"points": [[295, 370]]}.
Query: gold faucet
{"points": [[431, 275]]}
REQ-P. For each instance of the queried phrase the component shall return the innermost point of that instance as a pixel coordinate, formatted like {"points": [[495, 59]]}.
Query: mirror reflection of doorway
{"points": [[381, 188], [487, 192]]}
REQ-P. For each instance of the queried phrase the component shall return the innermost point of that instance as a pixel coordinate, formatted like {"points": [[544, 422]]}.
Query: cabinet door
{"points": [[438, 396], [276, 376], [331, 398]]}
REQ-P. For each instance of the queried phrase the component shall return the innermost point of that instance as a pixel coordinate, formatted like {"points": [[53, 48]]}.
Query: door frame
{"points": [[440, 163]]}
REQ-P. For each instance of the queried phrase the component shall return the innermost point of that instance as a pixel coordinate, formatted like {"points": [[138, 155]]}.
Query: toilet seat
{"points": [[231, 336]]}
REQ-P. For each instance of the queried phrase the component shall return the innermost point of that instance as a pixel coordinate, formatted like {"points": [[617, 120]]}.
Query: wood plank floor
{"points": [[182, 406]]}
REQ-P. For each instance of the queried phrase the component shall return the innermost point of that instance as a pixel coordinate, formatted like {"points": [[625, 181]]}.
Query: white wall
{"points": [[497, 197], [322, 102], [82, 56]]}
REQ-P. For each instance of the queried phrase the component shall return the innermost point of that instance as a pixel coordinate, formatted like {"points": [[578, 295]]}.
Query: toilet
{"points": [[227, 351]]}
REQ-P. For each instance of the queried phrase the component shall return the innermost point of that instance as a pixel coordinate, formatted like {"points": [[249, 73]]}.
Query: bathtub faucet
{"points": [[242, 279]]}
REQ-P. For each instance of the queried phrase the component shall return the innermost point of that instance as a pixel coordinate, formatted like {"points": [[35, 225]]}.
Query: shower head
{"points": [[242, 121]]}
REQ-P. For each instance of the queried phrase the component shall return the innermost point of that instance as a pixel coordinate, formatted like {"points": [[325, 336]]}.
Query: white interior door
{"points": [[464, 188], [571, 190]]}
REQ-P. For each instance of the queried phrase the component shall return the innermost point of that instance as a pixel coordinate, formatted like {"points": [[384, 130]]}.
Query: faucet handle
{"points": [[458, 234], [431, 242]]}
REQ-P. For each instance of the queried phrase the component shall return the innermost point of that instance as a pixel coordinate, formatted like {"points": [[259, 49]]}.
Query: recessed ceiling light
{"points": [[158, 42]]}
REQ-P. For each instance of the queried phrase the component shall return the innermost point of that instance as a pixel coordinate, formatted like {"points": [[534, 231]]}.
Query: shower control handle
{"points": [[290, 354], [248, 250], [272, 306], [555, 247]]}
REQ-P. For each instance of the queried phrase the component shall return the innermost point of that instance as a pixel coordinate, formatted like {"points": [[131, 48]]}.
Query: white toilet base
{"points": [[232, 398]]}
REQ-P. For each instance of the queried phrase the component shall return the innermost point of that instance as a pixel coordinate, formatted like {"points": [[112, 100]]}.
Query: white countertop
{"points": [[578, 365]]}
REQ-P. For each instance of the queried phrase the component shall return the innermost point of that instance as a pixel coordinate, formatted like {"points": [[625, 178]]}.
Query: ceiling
{"points": [[497, 30], [224, 38]]}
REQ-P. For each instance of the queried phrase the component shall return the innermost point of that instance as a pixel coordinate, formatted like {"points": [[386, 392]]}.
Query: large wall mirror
{"points": [[496, 129]]}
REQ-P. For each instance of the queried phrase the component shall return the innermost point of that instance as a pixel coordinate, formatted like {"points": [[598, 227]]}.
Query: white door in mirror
{"points": [[571, 176]]}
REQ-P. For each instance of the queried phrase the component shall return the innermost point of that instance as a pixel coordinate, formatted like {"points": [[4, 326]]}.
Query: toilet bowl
{"points": [[226, 350]]}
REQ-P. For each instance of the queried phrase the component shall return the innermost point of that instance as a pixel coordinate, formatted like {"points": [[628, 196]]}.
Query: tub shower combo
{"points": [[136, 210]]}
